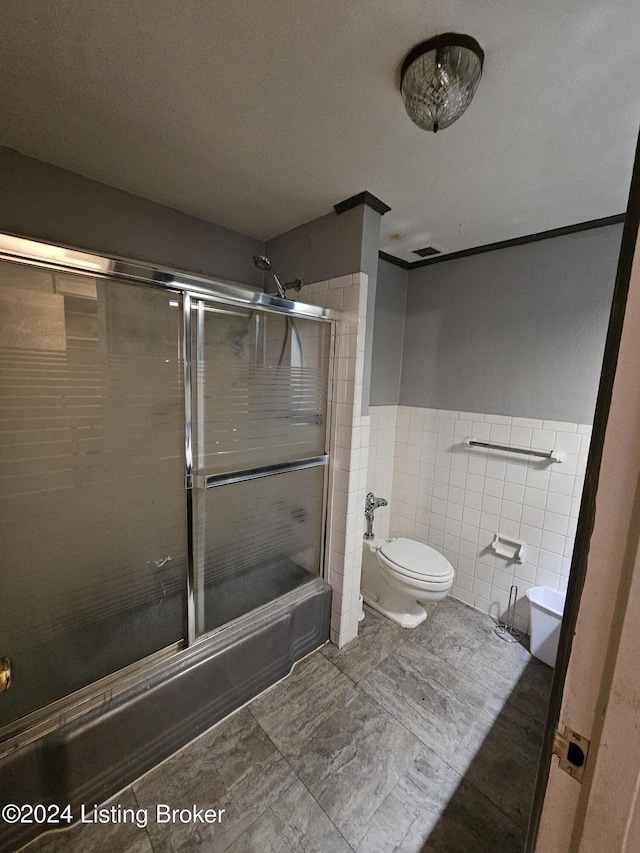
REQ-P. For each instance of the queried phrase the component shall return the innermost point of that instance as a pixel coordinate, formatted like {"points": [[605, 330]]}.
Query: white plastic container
{"points": [[547, 607]]}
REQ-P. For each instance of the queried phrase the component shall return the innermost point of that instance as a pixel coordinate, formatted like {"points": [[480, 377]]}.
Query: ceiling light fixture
{"points": [[439, 78]]}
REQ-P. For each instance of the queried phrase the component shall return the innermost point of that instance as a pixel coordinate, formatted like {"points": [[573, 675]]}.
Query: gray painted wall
{"points": [[324, 248], [56, 206], [386, 359], [517, 331], [329, 247], [44, 202], [369, 265]]}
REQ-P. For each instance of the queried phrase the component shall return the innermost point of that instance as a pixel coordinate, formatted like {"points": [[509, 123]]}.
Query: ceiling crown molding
{"points": [[362, 198], [505, 244]]}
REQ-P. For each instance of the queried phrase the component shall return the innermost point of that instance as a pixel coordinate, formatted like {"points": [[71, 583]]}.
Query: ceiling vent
{"points": [[427, 252]]}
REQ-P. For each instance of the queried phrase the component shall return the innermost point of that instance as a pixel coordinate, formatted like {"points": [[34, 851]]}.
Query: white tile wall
{"points": [[457, 498], [381, 459], [350, 449]]}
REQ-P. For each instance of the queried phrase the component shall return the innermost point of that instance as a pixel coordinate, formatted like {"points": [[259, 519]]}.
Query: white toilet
{"points": [[397, 574]]}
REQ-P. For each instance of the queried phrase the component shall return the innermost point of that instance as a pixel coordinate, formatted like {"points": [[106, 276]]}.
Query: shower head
{"points": [[262, 263], [265, 264]]}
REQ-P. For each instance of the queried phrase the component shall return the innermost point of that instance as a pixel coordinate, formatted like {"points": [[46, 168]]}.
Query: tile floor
{"points": [[402, 742]]}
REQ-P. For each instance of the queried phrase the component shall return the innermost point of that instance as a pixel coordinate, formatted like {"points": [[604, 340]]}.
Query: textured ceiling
{"points": [[262, 115]]}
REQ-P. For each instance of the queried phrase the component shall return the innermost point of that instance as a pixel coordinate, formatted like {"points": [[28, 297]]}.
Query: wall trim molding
{"points": [[505, 244], [397, 262], [365, 198]]}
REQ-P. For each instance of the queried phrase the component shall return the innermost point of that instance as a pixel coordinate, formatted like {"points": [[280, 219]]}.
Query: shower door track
{"points": [[45, 255], [140, 675]]}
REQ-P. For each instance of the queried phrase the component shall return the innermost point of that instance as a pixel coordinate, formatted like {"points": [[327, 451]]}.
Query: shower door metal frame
{"points": [[185, 287], [197, 479]]}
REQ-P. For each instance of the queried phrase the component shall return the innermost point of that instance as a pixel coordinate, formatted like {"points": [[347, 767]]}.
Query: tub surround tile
{"points": [[348, 751], [350, 442], [377, 638], [234, 766], [295, 823]]}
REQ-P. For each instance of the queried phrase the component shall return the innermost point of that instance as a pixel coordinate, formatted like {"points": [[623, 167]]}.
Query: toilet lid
{"points": [[415, 558]]}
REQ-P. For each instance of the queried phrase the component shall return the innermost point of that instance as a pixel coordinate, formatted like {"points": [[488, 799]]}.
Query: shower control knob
{"points": [[5, 674]]}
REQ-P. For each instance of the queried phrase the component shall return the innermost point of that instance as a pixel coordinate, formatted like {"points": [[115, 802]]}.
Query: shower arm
{"points": [[296, 285], [281, 290]]}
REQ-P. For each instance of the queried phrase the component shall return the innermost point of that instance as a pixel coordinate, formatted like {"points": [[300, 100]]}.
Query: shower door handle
{"points": [[5, 674]]}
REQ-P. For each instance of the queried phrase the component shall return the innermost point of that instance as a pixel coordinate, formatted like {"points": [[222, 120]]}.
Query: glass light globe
{"points": [[439, 80]]}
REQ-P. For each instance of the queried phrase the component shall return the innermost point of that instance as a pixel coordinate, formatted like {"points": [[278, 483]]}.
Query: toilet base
{"points": [[412, 614]]}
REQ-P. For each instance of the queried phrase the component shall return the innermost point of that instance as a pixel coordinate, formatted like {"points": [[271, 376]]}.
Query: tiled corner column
{"points": [[349, 449]]}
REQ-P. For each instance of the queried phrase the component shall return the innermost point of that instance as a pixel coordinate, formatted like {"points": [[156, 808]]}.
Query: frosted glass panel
{"points": [[261, 388], [92, 499], [260, 538]]}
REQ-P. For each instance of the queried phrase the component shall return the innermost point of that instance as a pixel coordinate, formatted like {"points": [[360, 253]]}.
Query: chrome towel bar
{"points": [[553, 455]]}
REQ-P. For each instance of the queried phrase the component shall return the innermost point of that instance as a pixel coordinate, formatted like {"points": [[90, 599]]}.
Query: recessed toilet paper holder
{"points": [[507, 546]]}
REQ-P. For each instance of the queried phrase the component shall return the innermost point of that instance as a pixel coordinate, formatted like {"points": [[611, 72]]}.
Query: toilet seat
{"points": [[416, 561], [418, 575]]}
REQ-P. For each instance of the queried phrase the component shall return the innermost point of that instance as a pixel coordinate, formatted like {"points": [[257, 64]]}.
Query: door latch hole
{"points": [[575, 755]]}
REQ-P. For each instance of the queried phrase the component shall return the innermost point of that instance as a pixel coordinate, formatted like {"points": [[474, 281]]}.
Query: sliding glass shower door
{"points": [[162, 472], [260, 433], [92, 499]]}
